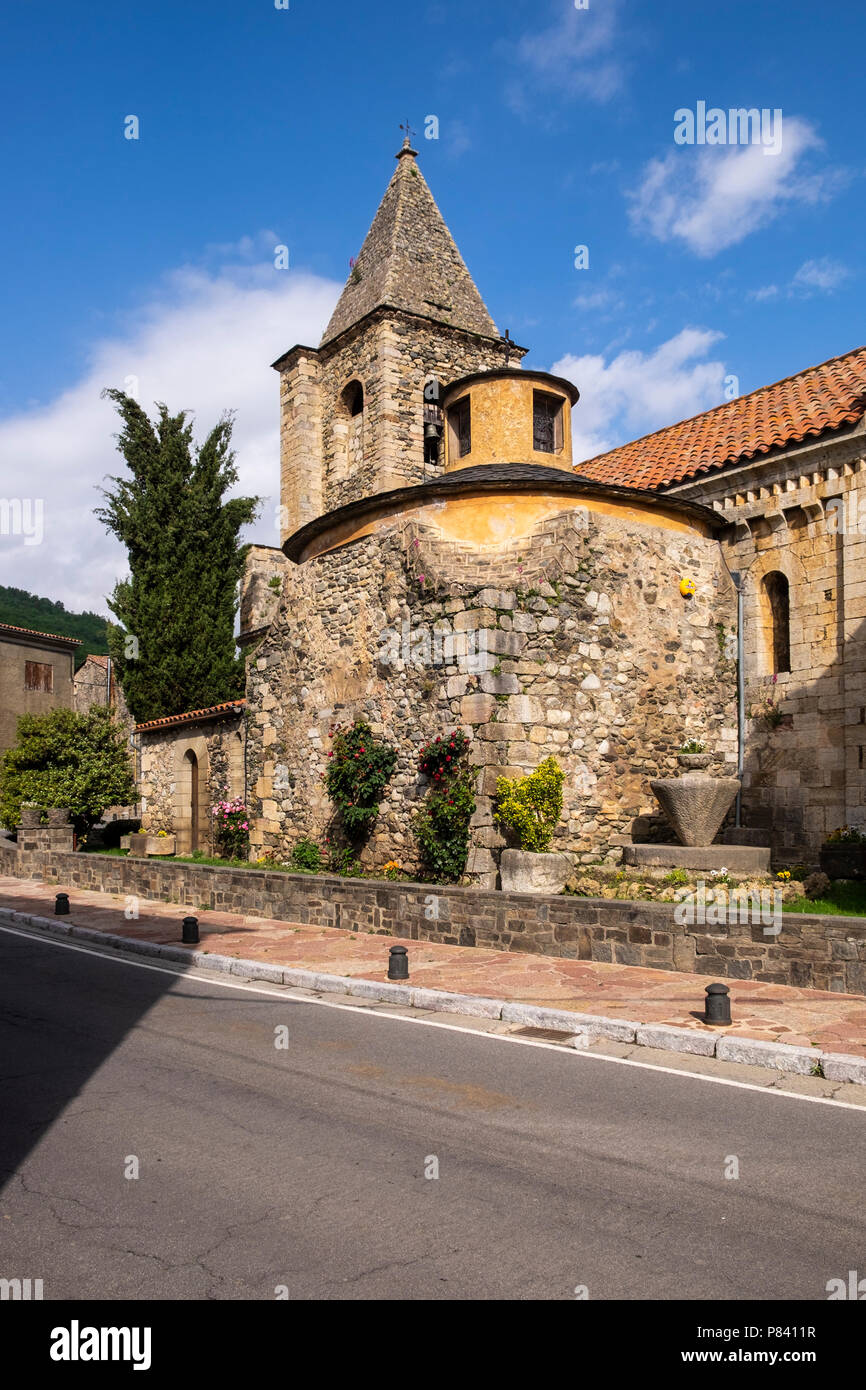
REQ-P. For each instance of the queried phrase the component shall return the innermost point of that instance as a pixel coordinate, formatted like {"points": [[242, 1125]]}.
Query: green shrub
{"points": [[442, 827], [694, 745], [675, 877], [530, 807], [359, 770], [307, 857], [344, 862], [67, 759]]}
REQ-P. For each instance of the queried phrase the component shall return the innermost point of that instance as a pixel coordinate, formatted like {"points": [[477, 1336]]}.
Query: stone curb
{"points": [[672, 1039], [582, 1029]]}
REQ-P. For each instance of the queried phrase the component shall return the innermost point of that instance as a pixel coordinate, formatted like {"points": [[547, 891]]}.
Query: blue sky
{"points": [[153, 259]]}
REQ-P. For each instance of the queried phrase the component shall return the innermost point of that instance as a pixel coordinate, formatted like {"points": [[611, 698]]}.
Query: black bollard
{"points": [[61, 905], [718, 1004], [398, 963], [190, 931]]}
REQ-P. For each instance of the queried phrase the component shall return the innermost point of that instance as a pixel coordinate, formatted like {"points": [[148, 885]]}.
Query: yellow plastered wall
{"points": [[501, 423]]}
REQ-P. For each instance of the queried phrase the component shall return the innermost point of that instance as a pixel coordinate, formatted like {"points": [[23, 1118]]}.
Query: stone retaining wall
{"points": [[812, 952]]}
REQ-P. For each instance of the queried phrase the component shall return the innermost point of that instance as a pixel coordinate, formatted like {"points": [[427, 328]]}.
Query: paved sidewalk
{"points": [[772, 1013]]}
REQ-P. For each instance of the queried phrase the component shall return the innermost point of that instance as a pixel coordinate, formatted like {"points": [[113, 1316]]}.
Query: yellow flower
{"points": [[784, 874]]}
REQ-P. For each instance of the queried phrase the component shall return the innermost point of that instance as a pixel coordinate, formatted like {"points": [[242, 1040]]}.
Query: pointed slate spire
{"points": [[409, 261]]}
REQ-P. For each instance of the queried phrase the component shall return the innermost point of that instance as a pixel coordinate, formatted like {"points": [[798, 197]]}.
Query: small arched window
{"points": [[432, 420], [352, 425], [778, 615], [353, 398]]}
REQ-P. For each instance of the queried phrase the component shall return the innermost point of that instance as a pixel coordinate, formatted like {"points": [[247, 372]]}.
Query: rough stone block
{"points": [[767, 1054], [676, 1039], [443, 1002], [477, 709], [837, 1066]]}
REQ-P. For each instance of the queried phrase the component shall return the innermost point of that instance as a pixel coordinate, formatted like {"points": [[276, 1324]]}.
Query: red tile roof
{"points": [[32, 632], [802, 406], [190, 716]]}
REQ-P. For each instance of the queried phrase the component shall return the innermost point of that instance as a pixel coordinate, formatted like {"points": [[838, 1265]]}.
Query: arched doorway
{"points": [[191, 795], [194, 807]]}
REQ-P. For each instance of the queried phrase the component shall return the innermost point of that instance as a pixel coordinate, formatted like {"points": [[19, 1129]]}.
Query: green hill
{"points": [[21, 609]]}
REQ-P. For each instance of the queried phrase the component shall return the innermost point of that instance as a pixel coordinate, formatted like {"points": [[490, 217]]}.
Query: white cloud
{"points": [[576, 56], [712, 197], [765, 292], [824, 274], [637, 392], [204, 342], [599, 299]]}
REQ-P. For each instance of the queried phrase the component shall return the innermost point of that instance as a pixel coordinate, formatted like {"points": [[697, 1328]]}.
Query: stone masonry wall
{"points": [[812, 952], [327, 457], [393, 359], [574, 641], [165, 785], [261, 584], [802, 513]]}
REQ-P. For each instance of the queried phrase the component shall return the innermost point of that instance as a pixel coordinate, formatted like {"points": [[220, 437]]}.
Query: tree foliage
{"points": [[67, 759], [22, 609], [175, 649]]}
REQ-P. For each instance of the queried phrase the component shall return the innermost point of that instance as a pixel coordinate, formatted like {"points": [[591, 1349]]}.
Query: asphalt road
{"points": [[304, 1167]]}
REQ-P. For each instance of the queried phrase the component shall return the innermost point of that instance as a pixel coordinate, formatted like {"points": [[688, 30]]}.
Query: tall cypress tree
{"points": [[175, 649]]}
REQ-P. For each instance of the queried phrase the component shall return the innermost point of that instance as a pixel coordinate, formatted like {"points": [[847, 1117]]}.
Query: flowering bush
{"points": [[846, 835], [231, 829], [392, 870], [359, 769], [441, 756], [442, 828]]}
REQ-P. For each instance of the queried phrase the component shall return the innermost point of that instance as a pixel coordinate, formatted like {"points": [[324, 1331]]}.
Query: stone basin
{"points": [[695, 804]]}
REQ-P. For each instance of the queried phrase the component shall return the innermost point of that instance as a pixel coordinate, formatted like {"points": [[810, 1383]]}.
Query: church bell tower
{"points": [[361, 414]]}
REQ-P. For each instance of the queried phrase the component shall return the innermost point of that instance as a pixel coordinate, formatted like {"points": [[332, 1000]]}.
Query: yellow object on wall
{"points": [[687, 587]]}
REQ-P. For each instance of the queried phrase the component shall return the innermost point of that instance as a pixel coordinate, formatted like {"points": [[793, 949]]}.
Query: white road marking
{"points": [[287, 997]]}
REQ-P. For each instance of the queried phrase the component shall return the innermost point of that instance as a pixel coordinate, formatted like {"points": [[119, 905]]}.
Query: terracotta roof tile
{"points": [[32, 632], [189, 716], [802, 406]]}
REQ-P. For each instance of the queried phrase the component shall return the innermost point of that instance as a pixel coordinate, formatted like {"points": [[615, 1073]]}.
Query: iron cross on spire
{"points": [[408, 129], [508, 343]]}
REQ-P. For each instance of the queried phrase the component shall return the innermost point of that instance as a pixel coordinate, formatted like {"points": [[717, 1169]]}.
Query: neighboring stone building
{"points": [[445, 563], [36, 676], [95, 683], [785, 468], [189, 761]]}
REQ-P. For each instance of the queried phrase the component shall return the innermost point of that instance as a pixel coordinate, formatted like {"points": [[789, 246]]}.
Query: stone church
{"points": [[445, 563]]}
